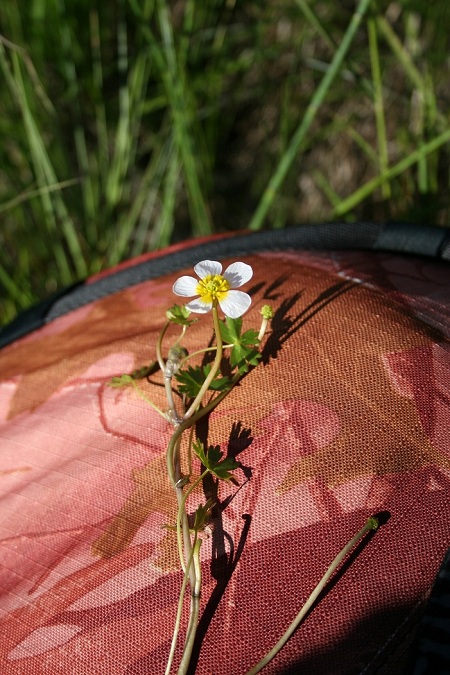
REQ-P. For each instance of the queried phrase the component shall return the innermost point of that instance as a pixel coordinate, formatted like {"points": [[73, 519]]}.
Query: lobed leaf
{"points": [[243, 353], [191, 379], [212, 460]]}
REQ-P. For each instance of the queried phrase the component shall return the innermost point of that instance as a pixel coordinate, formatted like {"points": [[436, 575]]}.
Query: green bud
{"points": [[267, 312], [179, 314], [373, 523]]}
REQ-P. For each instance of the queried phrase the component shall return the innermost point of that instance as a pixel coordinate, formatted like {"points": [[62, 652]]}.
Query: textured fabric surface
{"points": [[347, 416]]}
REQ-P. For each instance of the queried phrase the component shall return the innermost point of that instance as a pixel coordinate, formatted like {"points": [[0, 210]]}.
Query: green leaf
{"points": [[145, 371], [243, 353], [191, 380], [212, 460], [199, 450], [179, 314], [231, 329], [203, 515], [138, 374], [120, 381], [220, 382]]}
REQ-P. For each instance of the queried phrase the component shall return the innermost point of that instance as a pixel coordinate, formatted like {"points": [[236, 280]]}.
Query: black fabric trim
{"points": [[33, 318], [394, 237]]}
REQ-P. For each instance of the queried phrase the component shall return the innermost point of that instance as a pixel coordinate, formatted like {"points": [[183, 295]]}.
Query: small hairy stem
{"points": [[189, 453], [371, 524], [262, 330], [171, 452], [192, 570], [181, 511], [194, 611], [176, 629], [182, 519], [215, 367], [174, 472], [162, 363], [202, 351], [184, 537], [194, 552], [181, 336], [173, 413], [146, 399]]}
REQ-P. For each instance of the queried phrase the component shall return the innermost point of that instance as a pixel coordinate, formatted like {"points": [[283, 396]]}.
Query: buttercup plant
{"points": [[192, 392]]}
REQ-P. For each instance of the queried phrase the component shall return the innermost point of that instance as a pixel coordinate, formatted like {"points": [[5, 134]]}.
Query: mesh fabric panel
{"points": [[347, 416]]}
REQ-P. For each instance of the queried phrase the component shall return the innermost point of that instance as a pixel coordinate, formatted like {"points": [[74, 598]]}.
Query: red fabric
{"points": [[348, 416]]}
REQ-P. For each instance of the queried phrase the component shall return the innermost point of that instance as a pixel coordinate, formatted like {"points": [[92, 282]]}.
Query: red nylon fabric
{"points": [[347, 416]]}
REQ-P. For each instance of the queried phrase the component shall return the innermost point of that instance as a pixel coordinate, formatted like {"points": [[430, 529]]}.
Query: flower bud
{"points": [[267, 312]]}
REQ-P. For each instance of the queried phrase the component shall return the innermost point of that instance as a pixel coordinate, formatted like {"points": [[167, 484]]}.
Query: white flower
{"points": [[213, 287]]}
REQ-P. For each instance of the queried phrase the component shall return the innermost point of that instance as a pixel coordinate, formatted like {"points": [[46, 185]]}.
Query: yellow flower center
{"points": [[213, 288]]}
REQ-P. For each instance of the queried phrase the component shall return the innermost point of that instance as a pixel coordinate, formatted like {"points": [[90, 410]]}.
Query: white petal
{"points": [[238, 274], [199, 306], [205, 267], [185, 286], [235, 304]]}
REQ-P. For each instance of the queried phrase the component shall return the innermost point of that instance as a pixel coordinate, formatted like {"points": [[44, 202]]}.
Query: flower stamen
{"points": [[213, 288]]}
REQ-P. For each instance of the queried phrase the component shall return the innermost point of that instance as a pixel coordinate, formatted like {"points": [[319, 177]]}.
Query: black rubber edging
{"points": [[424, 240]]}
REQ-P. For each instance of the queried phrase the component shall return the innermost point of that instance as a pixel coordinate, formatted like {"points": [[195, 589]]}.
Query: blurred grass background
{"points": [[130, 124]]}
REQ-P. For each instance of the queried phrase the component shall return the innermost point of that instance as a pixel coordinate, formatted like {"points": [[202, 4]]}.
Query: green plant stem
{"points": [[183, 515], [15, 291], [378, 104], [169, 370], [425, 95], [202, 351], [172, 413], [317, 99], [173, 470], [167, 376], [194, 611], [57, 216], [31, 194], [175, 476], [263, 328], [181, 510], [360, 194], [400, 52], [371, 524], [159, 356], [181, 336], [182, 109], [190, 551], [176, 629], [147, 400], [189, 453], [215, 367], [187, 423], [315, 22]]}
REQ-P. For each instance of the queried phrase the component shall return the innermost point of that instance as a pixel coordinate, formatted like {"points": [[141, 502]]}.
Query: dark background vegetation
{"points": [[130, 124]]}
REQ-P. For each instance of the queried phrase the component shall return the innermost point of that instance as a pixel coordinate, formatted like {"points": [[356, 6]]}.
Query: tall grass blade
{"points": [[317, 99], [378, 104], [363, 192]]}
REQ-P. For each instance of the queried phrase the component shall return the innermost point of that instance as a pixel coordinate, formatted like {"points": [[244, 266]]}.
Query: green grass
{"points": [[129, 125]]}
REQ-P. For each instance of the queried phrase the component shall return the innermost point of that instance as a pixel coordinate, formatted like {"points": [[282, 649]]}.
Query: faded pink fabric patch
{"points": [[59, 325]]}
